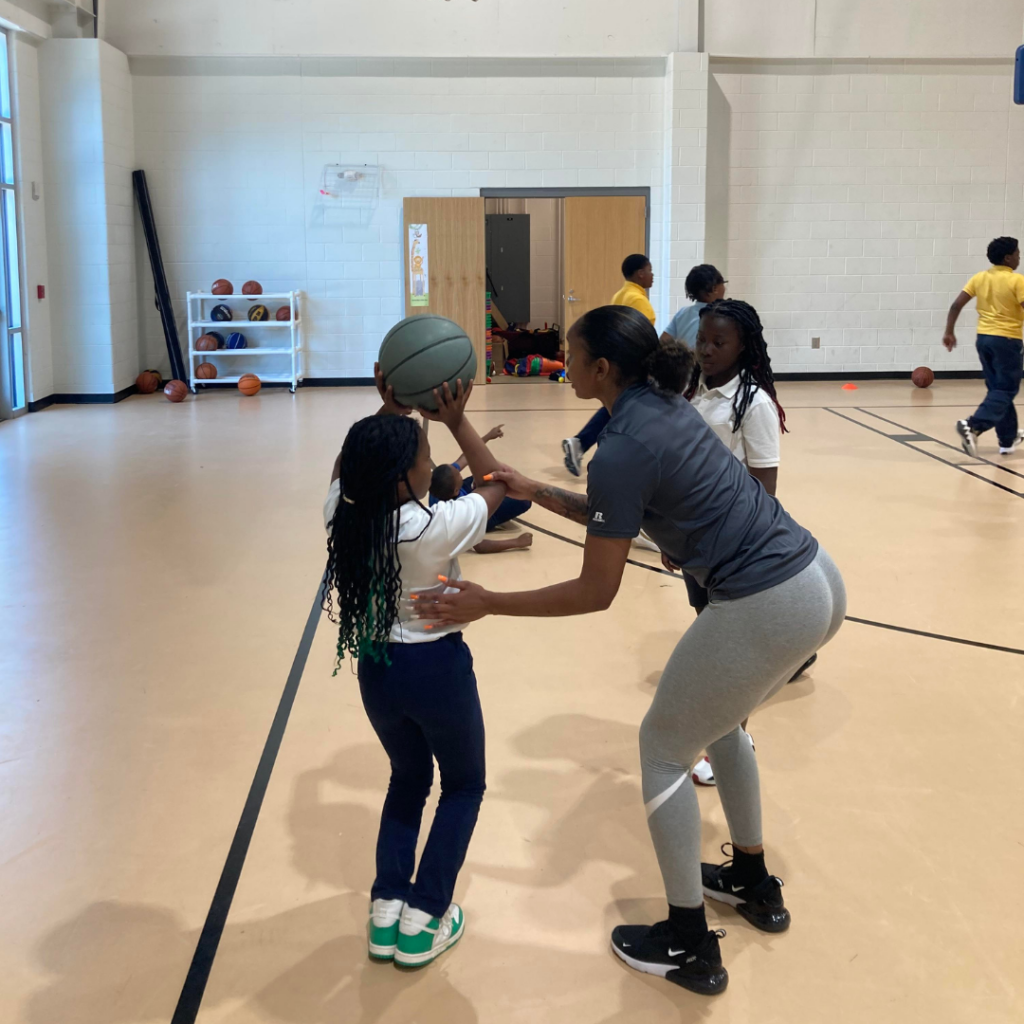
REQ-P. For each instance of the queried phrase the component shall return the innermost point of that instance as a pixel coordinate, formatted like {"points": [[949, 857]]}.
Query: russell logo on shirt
{"points": [[598, 517]]}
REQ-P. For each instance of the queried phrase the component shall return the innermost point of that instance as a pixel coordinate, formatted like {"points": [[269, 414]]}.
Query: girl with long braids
{"points": [[386, 549], [733, 388], [775, 598]]}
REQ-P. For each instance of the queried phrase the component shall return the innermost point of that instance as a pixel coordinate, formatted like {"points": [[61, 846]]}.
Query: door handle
{"points": [[572, 298]]}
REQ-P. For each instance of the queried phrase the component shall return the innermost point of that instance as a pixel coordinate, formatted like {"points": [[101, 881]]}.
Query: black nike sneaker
{"points": [[804, 667], [762, 904], [654, 949]]}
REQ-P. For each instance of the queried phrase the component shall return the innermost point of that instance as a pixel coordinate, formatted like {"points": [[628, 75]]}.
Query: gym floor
{"points": [[158, 567]]}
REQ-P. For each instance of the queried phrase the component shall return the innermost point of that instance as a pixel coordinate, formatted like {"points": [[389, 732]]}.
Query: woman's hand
{"points": [[468, 605], [668, 563], [517, 486], [450, 408], [387, 393]]}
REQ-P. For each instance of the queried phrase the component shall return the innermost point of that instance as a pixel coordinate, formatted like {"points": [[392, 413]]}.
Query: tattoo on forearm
{"points": [[565, 503]]}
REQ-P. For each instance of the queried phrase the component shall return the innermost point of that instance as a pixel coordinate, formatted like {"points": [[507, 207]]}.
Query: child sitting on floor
{"points": [[447, 483]]}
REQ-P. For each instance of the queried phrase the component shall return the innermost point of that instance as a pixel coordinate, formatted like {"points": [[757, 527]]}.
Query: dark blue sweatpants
{"points": [[425, 706], [1002, 362]]}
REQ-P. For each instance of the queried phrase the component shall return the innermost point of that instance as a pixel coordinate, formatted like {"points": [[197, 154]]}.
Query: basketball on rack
{"points": [[259, 312], [175, 391], [237, 340], [252, 288], [147, 382], [207, 343], [206, 371], [222, 286], [221, 313], [249, 384], [283, 313], [423, 352]]}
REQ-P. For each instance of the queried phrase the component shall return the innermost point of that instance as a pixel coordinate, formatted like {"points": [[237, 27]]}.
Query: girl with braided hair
{"points": [[385, 550], [733, 388]]}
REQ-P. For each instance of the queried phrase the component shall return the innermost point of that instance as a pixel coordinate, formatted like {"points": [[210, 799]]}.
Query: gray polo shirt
{"points": [[660, 467]]}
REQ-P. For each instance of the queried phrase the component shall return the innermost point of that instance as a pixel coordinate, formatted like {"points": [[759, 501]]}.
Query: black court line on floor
{"points": [[1001, 466], [849, 618], [927, 454], [191, 997]]}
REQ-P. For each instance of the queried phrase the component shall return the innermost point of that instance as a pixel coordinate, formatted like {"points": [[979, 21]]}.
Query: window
{"points": [[13, 397]]}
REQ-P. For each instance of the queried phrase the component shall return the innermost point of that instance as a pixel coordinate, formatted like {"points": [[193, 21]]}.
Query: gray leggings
{"points": [[736, 655]]}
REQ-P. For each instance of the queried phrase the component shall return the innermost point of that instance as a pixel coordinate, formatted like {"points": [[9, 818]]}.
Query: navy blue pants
{"points": [[510, 508], [592, 431], [425, 706], [1002, 362]]}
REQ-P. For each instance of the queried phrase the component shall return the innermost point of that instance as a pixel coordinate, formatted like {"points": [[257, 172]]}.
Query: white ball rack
{"points": [[199, 323]]}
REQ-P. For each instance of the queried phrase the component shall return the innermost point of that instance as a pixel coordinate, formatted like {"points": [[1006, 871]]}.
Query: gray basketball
{"points": [[421, 353]]}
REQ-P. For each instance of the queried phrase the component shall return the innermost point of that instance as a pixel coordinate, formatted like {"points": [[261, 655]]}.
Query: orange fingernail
{"points": [[414, 597], [443, 579], [489, 476], [428, 627]]}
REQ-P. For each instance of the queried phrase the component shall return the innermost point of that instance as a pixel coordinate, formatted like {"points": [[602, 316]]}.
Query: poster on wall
{"points": [[419, 288]]}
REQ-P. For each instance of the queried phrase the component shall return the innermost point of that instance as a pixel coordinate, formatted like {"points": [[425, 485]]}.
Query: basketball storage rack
{"points": [[271, 336]]}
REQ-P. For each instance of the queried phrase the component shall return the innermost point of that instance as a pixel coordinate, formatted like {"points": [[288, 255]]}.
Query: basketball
{"points": [[206, 371], [218, 337], [421, 353], [249, 384], [207, 343], [252, 288], [259, 312], [147, 382], [922, 377], [237, 340], [283, 313], [222, 287], [175, 391], [221, 313]]}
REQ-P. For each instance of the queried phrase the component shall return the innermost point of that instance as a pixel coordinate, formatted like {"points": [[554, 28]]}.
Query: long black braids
{"points": [[362, 557], [755, 363]]}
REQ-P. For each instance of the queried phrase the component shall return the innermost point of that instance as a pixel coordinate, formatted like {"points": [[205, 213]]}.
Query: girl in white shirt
{"points": [[733, 388], [385, 548]]}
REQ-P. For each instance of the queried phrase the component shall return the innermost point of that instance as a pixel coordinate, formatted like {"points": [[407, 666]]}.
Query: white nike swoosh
{"points": [[736, 888], [676, 952]]}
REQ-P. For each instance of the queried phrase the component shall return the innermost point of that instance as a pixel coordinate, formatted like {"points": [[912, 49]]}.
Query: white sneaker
{"points": [[1017, 442], [702, 774], [573, 451], [382, 928], [968, 438], [641, 540], [422, 938]]}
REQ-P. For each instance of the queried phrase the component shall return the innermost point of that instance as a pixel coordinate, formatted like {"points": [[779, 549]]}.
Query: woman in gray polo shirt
{"points": [[775, 598]]}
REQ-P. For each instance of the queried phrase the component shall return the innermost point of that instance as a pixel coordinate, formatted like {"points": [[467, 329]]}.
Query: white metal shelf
{"points": [[257, 349], [198, 325]]}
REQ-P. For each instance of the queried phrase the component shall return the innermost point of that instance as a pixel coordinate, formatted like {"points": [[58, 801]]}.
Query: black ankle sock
{"points": [[689, 924], [749, 867]]}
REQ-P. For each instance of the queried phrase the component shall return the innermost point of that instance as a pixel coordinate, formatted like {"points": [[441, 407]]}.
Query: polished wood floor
{"points": [[158, 565]]}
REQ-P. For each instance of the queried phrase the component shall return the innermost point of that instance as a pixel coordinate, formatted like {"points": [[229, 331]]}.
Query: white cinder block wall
{"points": [[853, 200], [235, 160]]}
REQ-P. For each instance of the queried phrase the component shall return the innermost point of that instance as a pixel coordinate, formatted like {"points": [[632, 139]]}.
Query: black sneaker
{"points": [[968, 438], [762, 904], [654, 949], [804, 667]]}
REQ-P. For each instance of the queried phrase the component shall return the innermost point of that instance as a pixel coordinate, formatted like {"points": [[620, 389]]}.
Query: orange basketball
{"points": [[249, 384], [175, 391], [206, 371], [252, 288], [923, 377], [147, 382], [284, 313], [207, 343], [222, 286]]}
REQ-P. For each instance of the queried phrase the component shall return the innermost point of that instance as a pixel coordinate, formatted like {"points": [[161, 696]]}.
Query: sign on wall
{"points": [[419, 287]]}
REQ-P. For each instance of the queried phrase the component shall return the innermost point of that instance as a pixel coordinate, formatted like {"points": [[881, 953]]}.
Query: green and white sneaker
{"points": [[382, 929], [422, 938]]}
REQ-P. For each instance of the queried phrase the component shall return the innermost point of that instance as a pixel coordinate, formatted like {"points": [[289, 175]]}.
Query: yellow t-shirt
{"points": [[999, 293], [631, 294]]}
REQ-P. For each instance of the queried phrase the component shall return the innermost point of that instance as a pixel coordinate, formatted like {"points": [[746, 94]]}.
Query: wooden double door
{"points": [[445, 265]]}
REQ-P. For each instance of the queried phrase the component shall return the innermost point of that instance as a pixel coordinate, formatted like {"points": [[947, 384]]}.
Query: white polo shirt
{"points": [[756, 443], [429, 546]]}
